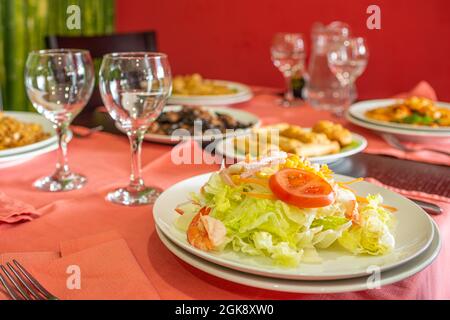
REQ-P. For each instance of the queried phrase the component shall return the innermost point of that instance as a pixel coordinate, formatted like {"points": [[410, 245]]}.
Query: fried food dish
{"points": [[187, 116], [325, 138], [415, 110], [14, 133], [195, 85]]}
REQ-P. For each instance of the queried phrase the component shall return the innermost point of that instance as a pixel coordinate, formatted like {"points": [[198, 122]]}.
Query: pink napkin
{"points": [[379, 146], [106, 267], [12, 211]]}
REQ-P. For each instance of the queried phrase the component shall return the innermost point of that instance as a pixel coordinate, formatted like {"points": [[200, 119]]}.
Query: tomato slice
{"points": [[301, 188]]}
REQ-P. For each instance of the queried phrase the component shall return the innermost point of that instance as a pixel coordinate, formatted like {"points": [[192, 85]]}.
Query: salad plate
{"points": [[413, 234], [316, 287]]}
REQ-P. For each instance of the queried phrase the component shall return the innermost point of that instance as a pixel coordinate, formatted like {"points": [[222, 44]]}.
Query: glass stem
{"points": [[62, 168], [136, 137], [289, 94]]}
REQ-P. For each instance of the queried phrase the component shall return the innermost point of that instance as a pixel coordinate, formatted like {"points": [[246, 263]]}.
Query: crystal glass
{"points": [[288, 55], [134, 87], [347, 61], [59, 84]]}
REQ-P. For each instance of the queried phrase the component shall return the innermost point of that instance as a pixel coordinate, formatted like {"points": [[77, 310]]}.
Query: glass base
{"points": [[54, 183], [291, 103], [128, 197]]}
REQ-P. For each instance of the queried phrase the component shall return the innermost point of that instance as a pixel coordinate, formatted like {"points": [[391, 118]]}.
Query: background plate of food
{"points": [[326, 142], [415, 114], [416, 135], [265, 239], [177, 123], [297, 286], [22, 132], [194, 90]]}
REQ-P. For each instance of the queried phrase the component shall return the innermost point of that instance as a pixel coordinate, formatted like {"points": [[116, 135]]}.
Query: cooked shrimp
{"points": [[204, 232], [197, 234]]}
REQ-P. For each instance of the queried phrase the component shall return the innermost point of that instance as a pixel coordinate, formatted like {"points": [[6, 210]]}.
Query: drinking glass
{"points": [[59, 84], [347, 61], [134, 88], [288, 55]]}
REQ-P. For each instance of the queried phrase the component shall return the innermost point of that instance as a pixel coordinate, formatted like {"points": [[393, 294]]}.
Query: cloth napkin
{"points": [[379, 146], [12, 210], [103, 263]]}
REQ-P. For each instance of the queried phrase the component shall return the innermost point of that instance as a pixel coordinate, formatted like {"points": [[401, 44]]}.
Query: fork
{"points": [[21, 285], [395, 143]]}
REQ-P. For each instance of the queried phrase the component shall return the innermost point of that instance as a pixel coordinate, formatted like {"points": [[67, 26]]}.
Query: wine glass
{"points": [[59, 84], [288, 55], [134, 87], [347, 61]]}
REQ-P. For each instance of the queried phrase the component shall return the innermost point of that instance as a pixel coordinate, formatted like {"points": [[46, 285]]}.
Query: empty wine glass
{"points": [[134, 87], [59, 84], [347, 61], [288, 55]]}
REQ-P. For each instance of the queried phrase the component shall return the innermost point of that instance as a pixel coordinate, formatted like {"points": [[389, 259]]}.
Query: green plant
{"points": [[24, 24]]}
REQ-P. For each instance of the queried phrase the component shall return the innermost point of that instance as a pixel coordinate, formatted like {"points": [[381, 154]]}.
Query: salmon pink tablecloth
{"points": [[104, 158]]}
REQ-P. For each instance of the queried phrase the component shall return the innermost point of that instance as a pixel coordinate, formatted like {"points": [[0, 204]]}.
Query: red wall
{"points": [[230, 39]]}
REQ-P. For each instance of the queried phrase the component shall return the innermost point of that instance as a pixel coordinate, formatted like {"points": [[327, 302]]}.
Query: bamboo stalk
{"points": [[2, 56]]}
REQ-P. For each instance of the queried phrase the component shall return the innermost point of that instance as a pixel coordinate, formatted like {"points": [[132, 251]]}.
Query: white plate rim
{"points": [[244, 94], [309, 287], [285, 274], [358, 109], [326, 159], [29, 117], [396, 131]]}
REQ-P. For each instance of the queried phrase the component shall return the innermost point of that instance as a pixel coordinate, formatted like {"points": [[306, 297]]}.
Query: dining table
{"points": [[104, 158]]}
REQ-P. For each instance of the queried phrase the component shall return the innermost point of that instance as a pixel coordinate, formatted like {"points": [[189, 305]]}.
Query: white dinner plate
{"points": [[413, 234], [359, 109], [403, 134], [226, 148], [16, 159], [243, 94], [30, 117], [297, 286], [239, 115]]}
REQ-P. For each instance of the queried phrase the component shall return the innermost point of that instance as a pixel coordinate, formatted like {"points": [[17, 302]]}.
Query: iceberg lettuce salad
{"points": [[242, 208]]}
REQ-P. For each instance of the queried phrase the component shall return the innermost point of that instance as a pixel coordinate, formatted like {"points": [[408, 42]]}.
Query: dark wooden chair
{"points": [[101, 45]]}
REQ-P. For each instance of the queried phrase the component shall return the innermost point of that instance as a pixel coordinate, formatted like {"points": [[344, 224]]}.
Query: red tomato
{"points": [[301, 188]]}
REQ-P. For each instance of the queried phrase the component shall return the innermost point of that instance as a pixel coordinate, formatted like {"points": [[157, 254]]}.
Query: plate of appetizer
{"points": [[201, 123], [413, 114], [298, 286], [21, 132], [194, 90], [283, 217], [325, 142]]}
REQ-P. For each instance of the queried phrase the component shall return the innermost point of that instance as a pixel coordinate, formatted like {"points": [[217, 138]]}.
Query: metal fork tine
{"points": [[24, 282], [19, 288], [8, 289], [35, 283]]}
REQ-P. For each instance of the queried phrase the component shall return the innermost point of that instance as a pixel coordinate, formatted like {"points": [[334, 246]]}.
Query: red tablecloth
{"points": [[104, 158]]}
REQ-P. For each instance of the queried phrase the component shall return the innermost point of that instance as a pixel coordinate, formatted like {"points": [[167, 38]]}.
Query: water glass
{"points": [[347, 61], [59, 84], [134, 87], [288, 55]]}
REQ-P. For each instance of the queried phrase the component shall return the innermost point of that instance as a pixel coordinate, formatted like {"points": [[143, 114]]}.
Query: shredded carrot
{"points": [[261, 182], [351, 181], [364, 200], [260, 195], [346, 187]]}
